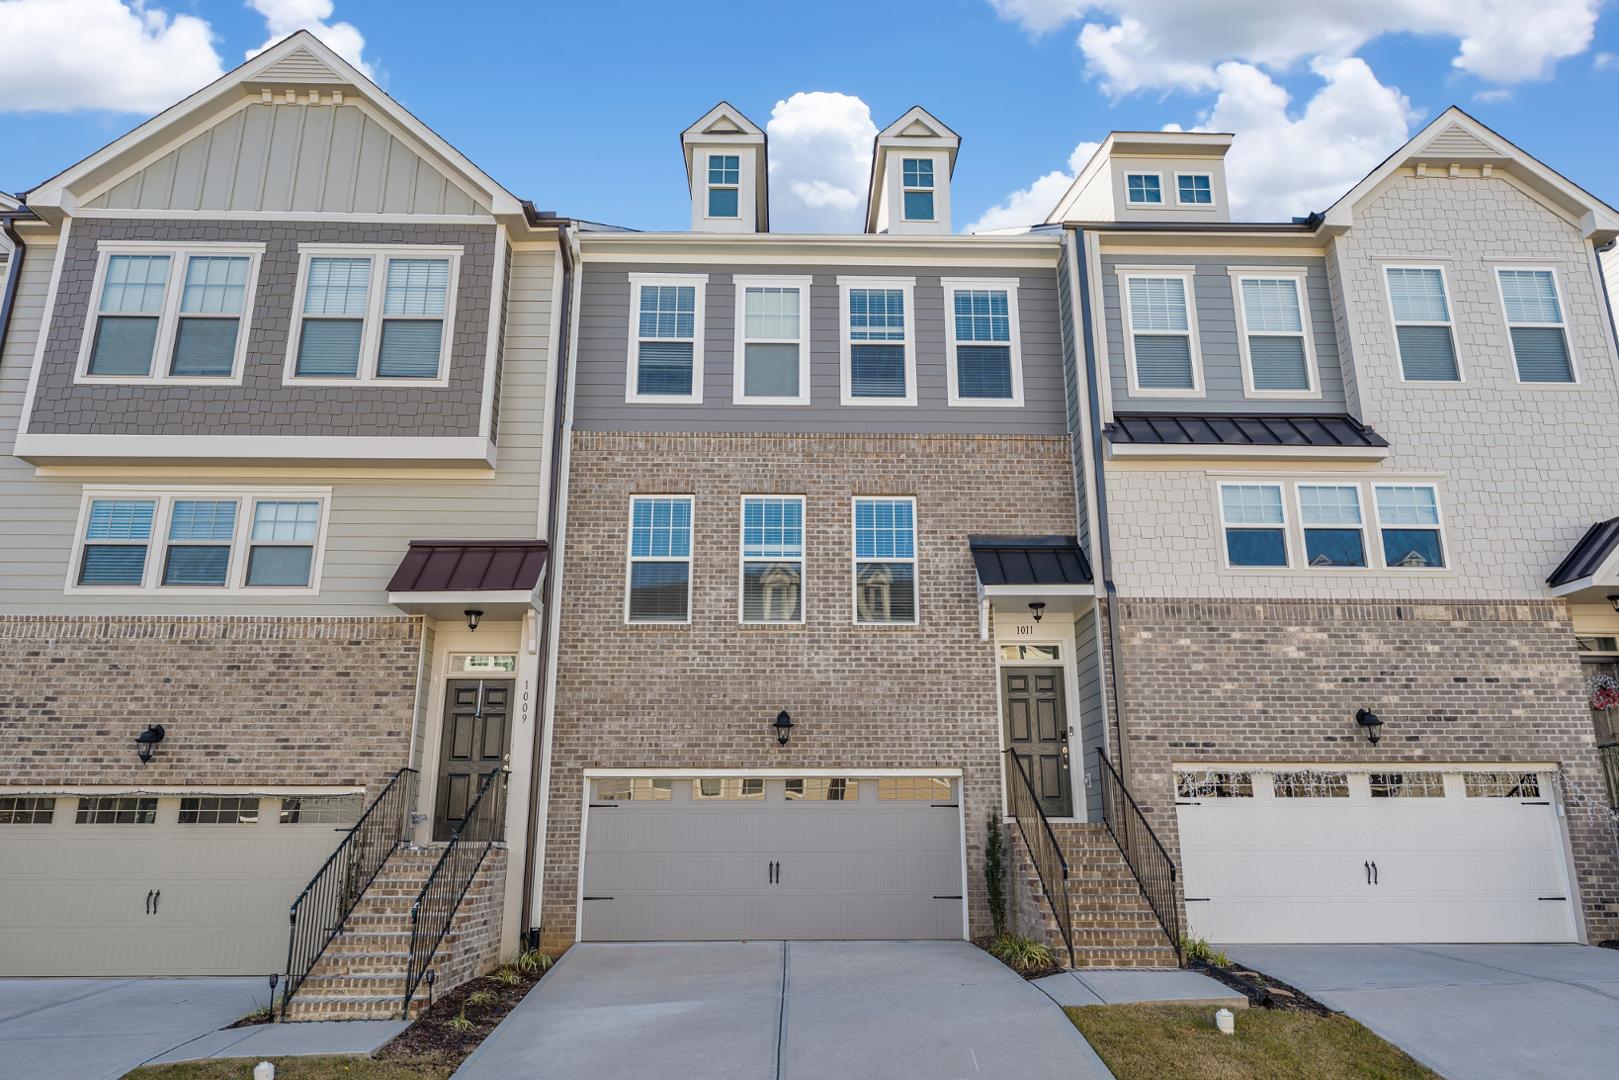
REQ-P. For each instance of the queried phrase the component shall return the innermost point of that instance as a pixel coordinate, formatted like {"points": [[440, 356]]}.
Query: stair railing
{"points": [[318, 914], [1049, 864], [1609, 754], [483, 826], [1147, 858]]}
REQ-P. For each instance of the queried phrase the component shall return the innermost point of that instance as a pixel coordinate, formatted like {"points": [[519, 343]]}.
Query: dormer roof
{"points": [[293, 68], [1193, 144], [1455, 139], [725, 124], [918, 129]]}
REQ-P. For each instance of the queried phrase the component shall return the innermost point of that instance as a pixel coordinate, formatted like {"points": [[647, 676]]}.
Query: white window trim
{"points": [[739, 395], [905, 189], [169, 317], [241, 543], [1194, 205], [1395, 324], [907, 285], [1300, 278], [1506, 321], [632, 366], [1440, 528], [1008, 286], [1188, 276], [371, 329], [630, 559], [1285, 525], [1303, 527], [709, 186], [855, 560], [1163, 197], [743, 561]]}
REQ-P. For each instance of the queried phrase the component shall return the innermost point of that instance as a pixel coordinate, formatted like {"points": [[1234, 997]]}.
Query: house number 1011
{"points": [[1024, 631]]}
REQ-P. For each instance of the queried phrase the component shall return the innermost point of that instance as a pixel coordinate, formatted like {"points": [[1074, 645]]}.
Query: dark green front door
{"points": [[477, 739], [1037, 733]]}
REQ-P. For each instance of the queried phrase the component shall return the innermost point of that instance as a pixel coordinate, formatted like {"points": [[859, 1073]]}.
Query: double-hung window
{"points": [[373, 315], [916, 182], [1160, 331], [772, 341], [772, 559], [1194, 189], [659, 585], [985, 365], [1534, 314], [1274, 333], [166, 314], [666, 338], [1143, 189], [1408, 520], [1334, 530], [196, 538], [724, 185], [885, 560], [1423, 329], [1255, 525], [878, 349]]}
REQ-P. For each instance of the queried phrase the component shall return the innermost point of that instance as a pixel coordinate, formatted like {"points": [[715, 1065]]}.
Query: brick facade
{"points": [[242, 700], [1280, 681], [703, 695]]}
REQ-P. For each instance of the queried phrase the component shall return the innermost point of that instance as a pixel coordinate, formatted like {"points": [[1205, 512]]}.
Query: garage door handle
{"points": [[1374, 873], [148, 901], [1368, 867], [157, 896]]}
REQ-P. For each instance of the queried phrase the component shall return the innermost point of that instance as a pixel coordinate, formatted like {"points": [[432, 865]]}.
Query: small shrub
{"points": [[507, 976], [1198, 949], [995, 873], [1020, 953], [480, 998], [459, 1021], [531, 961]]}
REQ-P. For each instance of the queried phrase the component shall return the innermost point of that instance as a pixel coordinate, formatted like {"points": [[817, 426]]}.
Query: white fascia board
{"points": [[1157, 450], [992, 591], [43, 449]]}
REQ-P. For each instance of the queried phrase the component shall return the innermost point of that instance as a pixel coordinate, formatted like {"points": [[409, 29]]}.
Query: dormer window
{"points": [[917, 178], [1144, 189], [1194, 189], [724, 185]]}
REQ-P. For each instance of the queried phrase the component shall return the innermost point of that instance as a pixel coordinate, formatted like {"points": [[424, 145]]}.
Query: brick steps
{"points": [[1111, 924]]}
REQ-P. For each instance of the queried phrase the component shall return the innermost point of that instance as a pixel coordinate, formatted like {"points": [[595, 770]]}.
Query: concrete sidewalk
{"points": [[321, 1037], [1173, 987]]}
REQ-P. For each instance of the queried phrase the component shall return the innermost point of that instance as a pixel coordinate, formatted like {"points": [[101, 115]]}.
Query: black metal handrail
{"points": [[483, 826], [1147, 858], [317, 915], [1609, 753], [1049, 863]]}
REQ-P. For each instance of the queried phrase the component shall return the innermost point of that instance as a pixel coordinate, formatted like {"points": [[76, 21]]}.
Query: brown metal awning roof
{"points": [[466, 566]]}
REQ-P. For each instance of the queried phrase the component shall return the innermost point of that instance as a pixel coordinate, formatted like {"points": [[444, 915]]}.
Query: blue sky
{"points": [[578, 106]]}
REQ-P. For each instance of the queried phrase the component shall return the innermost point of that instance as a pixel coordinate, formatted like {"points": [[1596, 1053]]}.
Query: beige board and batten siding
{"points": [[371, 518], [302, 158], [604, 325]]}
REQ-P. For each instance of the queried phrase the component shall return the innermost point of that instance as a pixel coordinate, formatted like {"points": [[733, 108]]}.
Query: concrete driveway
{"points": [[929, 1010], [1469, 1012], [99, 1029]]}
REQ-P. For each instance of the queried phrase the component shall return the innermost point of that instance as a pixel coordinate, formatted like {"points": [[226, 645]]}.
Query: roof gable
{"points": [[723, 120]]}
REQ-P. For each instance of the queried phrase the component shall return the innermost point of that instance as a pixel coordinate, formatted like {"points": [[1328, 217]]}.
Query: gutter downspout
{"points": [[561, 355], [1104, 545], [13, 273]]}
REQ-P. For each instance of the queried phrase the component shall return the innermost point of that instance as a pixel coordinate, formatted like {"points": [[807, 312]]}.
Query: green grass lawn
{"points": [[1179, 1042], [296, 1068]]}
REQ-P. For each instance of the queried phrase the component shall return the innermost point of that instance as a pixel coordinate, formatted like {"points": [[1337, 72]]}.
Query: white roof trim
{"points": [[1220, 450], [55, 191], [914, 115], [707, 125]]}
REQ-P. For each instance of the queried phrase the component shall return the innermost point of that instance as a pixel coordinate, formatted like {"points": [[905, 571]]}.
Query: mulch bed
{"points": [[1261, 989], [432, 1038], [1031, 975]]}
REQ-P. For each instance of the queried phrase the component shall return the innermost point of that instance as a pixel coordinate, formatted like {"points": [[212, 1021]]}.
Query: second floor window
{"points": [[1408, 518], [885, 560], [374, 316], [666, 343], [773, 559], [1534, 314], [1144, 189], [772, 345], [724, 184], [1275, 335], [985, 366], [1422, 324], [1334, 532], [169, 316], [1255, 525], [879, 362], [1160, 334], [916, 177], [1194, 189], [659, 586]]}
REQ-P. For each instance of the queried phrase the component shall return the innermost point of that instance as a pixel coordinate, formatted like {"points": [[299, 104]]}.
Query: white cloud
{"points": [[820, 162], [1493, 96], [61, 55], [1602, 61], [1030, 205], [1132, 45], [283, 17]]}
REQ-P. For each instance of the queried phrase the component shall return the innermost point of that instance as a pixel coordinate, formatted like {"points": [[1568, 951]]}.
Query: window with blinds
{"points": [[772, 344], [1423, 330], [659, 586], [885, 560], [773, 559], [1159, 332], [877, 344], [1255, 524], [1534, 314], [666, 345], [984, 351], [375, 315], [1274, 328]]}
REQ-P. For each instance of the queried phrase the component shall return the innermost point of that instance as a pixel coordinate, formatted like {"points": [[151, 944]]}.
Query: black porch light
{"points": [[473, 615], [1039, 609], [1371, 724], [783, 726], [146, 740], [1614, 600]]}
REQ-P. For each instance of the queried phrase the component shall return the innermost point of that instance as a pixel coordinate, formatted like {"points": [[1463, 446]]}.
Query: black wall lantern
{"points": [[783, 726], [473, 615], [1371, 724], [1614, 600], [1039, 609], [146, 740]]}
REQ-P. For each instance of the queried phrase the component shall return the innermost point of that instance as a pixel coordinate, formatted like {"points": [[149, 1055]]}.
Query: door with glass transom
{"points": [[1037, 734], [476, 741]]}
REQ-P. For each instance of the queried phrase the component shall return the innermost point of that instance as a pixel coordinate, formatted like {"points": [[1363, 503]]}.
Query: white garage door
{"points": [[137, 885], [726, 858], [1334, 856]]}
